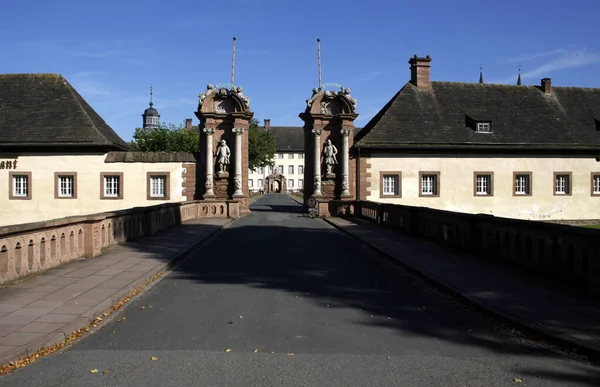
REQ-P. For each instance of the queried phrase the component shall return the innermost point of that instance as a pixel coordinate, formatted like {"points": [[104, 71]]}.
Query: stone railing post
{"points": [[317, 162], [209, 161], [237, 179], [92, 241], [345, 156]]}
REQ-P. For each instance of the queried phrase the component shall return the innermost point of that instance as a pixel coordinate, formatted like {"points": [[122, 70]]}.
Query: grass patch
{"points": [[596, 226]]}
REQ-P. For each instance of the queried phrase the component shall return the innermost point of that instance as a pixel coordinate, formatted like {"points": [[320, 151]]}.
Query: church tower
{"points": [[150, 115]]}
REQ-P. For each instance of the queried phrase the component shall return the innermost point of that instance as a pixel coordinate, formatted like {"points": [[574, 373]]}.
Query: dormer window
{"points": [[484, 127]]}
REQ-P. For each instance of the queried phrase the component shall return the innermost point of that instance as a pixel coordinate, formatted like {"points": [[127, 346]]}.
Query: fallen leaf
{"points": [[105, 372], [290, 354], [256, 350], [142, 307], [228, 350], [517, 380], [154, 358], [241, 316], [94, 371]]}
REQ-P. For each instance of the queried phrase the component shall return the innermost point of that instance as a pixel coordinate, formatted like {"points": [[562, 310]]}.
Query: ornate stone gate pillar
{"points": [[224, 114], [328, 136]]}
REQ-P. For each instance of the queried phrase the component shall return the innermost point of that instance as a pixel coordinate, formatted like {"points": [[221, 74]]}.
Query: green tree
{"points": [[166, 138], [261, 146]]}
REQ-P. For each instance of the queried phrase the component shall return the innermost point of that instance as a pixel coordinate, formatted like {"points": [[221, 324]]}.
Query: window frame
{"points": [[569, 176], [250, 183], [290, 169], [491, 183], [290, 156], [483, 123], [398, 176], [514, 183], [592, 192], [103, 175], [437, 175], [300, 156], [300, 169], [149, 176], [291, 183], [11, 186], [260, 183], [57, 176], [300, 183], [280, 169]]}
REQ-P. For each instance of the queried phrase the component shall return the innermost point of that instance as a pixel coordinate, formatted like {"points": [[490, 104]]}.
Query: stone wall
{"points": [[29, 248], [563, 253]]}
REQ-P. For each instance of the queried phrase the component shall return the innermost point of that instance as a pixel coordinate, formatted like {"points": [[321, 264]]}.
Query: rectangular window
{"points": [[157, 185], [111, 185], [390, 184], [291, 183], [279, 155], [250, 183], [20, 185], [280, 169], [430, 184], [562, 183], [290, 169], [300, 183], [260, 170], [270, 169], [595, 184], [260, 183], [290, 155], [484, 127], [300, 156], [484, 183], [65, 185], [300, 169], [522, 183]]}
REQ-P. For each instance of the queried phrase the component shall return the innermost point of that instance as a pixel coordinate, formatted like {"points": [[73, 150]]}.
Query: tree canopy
{"points": [[166, 138], [171, 138], [261, 146]]}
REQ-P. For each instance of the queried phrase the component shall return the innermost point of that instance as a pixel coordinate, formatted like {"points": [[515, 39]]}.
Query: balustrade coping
{"points": [[7, 231]]}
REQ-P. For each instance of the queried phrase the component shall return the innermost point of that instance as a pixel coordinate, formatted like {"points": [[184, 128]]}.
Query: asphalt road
{"points": [[298, 303]]}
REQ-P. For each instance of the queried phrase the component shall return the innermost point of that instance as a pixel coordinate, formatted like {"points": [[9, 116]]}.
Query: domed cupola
{"points": [[150, 115]]}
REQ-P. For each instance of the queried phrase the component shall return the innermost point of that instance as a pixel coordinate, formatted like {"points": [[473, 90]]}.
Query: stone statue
{"points": [[315, 94], [329, 156], [223, 154]]}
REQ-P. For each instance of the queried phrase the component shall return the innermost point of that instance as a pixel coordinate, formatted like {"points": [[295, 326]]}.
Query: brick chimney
{"points": [[188, 123], [547, 85], [267, 123], [419, 71]]}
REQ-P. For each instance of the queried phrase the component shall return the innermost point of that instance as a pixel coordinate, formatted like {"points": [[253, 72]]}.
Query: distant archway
{"points": [[276, 183]]}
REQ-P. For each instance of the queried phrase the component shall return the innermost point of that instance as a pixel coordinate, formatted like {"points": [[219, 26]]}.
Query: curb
{"points": [[294, 199], [88, 317], [533, 330]]}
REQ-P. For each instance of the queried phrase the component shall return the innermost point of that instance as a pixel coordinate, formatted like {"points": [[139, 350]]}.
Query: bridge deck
{"points": [[280, 299]]}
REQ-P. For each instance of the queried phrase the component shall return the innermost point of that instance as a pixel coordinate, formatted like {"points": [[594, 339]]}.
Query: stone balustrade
{"points": [[563, 253], [29, 248]]}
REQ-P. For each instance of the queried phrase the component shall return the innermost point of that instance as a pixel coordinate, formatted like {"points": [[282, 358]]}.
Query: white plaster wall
{"points": [[285, 161], [43, 205], [456, 185]]}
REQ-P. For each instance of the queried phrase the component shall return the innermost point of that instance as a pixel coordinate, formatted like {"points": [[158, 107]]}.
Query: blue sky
{"points": [[111, 50]]}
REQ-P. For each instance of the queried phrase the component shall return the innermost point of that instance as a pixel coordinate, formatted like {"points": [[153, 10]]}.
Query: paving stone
{"points": [[46, 304], [19, 338], [30, 312], [115, 284], [6, 329], [17, 320], [63, 295], [7, 309], [57, 318], [6, 348], [69, 310], [41, 327], [110, 271], [98, 294]]}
